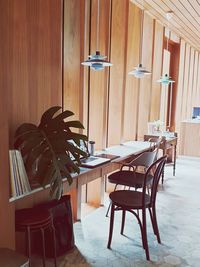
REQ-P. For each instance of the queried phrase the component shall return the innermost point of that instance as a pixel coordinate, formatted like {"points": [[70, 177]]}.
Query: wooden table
{"points": [[168, 142], [124, 151], [86, 175]]}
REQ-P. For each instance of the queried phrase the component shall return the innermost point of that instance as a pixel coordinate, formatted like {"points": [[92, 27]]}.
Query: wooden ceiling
{"points": [[185, 21]]}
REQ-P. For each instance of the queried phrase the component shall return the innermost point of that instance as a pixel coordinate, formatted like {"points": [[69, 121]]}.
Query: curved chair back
{"points": [[145, 159], [157, 168]]}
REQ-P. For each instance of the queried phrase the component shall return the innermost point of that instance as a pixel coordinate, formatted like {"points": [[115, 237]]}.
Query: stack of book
{"points": [[18, 176]]}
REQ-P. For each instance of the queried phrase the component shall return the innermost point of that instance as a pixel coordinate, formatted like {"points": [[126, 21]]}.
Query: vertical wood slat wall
{"points": [[112, 94], [188, 91], [7, 229], [31, 82], [33, 47]]}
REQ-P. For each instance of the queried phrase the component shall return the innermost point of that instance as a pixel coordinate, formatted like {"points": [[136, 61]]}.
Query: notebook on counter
{"points": [[93, 161]]}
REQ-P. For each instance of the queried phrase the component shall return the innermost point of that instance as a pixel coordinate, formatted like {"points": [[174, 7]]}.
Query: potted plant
{"points": [[51, 150]]}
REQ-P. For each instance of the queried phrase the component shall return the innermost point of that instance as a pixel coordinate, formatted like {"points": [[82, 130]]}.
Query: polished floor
{"points": [[178, 211]]}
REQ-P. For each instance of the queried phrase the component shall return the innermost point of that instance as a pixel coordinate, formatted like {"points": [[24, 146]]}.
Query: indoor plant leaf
{"points": [[51, 150]]}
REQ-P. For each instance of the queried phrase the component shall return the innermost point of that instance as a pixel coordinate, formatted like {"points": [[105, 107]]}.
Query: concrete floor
{"points": [[178, 212]]}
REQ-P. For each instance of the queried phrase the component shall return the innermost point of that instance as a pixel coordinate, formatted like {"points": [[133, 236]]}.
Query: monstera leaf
{"points": [[51, 150]]}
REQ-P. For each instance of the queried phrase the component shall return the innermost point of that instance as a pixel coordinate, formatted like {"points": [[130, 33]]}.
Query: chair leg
{"points": [[152, 221], [123, 221], [29, 244], [43, 246], [111, 225], [108, 209], [54, 242], [110, 203], [163, 176], [156, 224], [144, 230]]}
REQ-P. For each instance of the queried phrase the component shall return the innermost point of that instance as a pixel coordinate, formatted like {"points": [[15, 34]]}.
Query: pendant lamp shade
{"points": [[97, 61], [165, 80], [139, 71]]}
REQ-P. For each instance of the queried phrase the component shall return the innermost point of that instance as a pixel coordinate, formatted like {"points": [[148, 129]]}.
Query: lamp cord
{"points": [[168, 34], [141, 35], [98, 16]]}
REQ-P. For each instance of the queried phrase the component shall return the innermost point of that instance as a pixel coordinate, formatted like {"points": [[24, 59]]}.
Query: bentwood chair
{"points": [[156, 141], [134, 176], [134, 201]]}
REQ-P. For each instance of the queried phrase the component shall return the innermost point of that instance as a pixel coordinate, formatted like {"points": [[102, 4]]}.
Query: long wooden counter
{"points": [[190, 138], [124, 151]]}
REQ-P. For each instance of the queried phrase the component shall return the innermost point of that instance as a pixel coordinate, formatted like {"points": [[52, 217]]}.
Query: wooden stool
{"points": [[32, 219], [10, 258]]}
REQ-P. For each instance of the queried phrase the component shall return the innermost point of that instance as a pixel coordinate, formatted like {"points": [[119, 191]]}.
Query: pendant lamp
{"points": [[97, 61], [166, 80], [140, 71]]}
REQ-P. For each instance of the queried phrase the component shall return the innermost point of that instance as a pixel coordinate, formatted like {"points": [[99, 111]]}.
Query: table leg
{"points": [[102, 189], [79, 194], [174, 166]]}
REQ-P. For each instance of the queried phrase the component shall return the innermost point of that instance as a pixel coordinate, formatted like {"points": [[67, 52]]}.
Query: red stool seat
{"points": [[34, 219], [31, 217]]}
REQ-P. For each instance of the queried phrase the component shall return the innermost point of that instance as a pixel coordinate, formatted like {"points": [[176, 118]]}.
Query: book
{"points": [[18, 177], [12, 175], [22, 172]]}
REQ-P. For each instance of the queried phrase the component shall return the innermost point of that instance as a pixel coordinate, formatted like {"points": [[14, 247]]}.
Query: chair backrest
{"points": [[145, 159], [155, 142], [157, 169]]}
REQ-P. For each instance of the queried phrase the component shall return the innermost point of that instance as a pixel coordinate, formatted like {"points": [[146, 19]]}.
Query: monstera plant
{"points": [[51, 150]]}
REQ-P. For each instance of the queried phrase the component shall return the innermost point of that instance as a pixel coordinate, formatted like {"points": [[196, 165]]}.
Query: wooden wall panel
{"points": [[157, 68], [180, 86], [35, 59], [165, 88], [98, 88], [186, 80], [145, 83], [132, 83], [99, 79], [198, 86], [195, 88], [190, 86], [117, 78], [174, 73], [33, 76], [85, 71], [7, 229], [73, 56]]}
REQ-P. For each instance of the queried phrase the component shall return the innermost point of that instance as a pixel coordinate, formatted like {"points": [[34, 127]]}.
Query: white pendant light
{"points": [[140, 71], [97, 61], [165, 80]]}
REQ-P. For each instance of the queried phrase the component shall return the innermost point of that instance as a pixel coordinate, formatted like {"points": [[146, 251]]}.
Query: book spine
{"points": [[12, 176], [23, 175], [19, 183]]}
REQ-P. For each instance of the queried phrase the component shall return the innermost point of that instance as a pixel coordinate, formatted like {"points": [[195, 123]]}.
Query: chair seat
{"points": [[32, 217], [129, 199], [129, 178]]}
